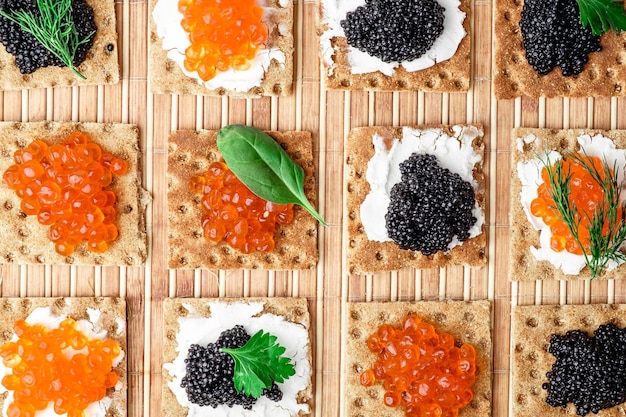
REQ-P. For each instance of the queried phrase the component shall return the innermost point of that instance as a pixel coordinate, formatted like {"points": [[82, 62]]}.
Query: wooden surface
{"points": [[329, 115]]}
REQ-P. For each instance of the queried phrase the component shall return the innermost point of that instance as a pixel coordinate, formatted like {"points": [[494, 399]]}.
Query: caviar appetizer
{"points": [[414, 197], [236, 47], [416, 359], [234, 355]]}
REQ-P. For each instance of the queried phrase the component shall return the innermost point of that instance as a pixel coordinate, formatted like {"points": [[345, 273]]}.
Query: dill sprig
{"points": [[602, 15], [607, 232], [54, 28]]}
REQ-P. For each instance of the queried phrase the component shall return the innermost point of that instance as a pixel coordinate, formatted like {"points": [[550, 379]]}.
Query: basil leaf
{"points": [[264, 166]]}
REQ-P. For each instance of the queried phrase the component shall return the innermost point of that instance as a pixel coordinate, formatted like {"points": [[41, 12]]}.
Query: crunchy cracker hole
{"points": [[618, 88], [355, 315], [372, 81], [507, 15], [519, 347], [8, 205], [350, 187], [469, 316], [108, 79], [534, 373], [431, 83], [41, 259], [379, 256], [444, 75], [521, 399], [355, 333], [169, 66], [358, 402], [401, 84], [345, 83], [532, 356], [372, 393], [277, 89], [531, 322], [441, 318]]}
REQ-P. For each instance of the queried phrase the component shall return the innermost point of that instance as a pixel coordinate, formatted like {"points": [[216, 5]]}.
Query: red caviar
{"points": [[233, 214], [65, 186], [422, 369], [61, 366], [224, 34]]}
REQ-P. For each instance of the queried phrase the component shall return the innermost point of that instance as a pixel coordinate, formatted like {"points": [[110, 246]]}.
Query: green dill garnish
{"points": [[602, 15], [54, 28]]}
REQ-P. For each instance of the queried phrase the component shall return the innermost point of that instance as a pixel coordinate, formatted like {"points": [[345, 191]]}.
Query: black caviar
{"points": [[29, 53], [394, 30], [589, 372], [554, 37], [429, 206], [209, 373]]}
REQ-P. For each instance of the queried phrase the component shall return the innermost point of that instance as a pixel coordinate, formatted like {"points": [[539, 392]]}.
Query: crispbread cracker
{"points": [[112, 319], [166, 76], [532, 328], [513, 76], [468, 321], [366, 256], [452, 75], [191, 153], [293, 310], [524, 266], [100, 65], [24, 240]]}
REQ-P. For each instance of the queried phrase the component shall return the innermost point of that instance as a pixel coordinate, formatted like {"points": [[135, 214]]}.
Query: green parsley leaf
{"points": [[602, 15], [258, 363]]}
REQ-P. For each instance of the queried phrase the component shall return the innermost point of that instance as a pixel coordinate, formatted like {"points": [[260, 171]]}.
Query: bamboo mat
{"points": [[329, 115]]}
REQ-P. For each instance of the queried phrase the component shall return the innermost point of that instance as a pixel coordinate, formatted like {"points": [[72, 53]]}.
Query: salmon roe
{"points": [[65, 186], [233, 214], [61, 366], [585, 194], [421, 369], [224, 34]]}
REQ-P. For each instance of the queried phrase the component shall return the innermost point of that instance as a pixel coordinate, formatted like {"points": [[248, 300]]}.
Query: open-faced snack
{"points": [[567, 215], [69, 43], [454, 334], [543, 49], [400, 209], [214, 221], [207, 346], [63, 355], [395, 44], [233, 47], [71, 194]]}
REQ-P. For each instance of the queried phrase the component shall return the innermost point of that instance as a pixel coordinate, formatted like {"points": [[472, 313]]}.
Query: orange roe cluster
{"points": [[421, 369], [233, 214], [224, 34], [44, 371], [585, 194], [64, 185]]}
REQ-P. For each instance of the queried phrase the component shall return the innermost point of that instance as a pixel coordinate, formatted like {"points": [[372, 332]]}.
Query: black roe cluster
{"points": [[589, 372], [209, 377], [394, 30], [429, 206], [29, 53], [554, 37]]}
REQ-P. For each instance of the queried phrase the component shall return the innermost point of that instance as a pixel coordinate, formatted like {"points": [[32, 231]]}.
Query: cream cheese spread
{"points": [[195, 329], [529, 173], [444, 47], [175, 40], [383, 171]]}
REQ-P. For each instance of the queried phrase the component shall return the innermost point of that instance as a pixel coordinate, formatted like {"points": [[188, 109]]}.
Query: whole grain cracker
{"points": [[24, 240], [166, 76], [513, 76], [112, 319], [294, 310], [190, 153], [452, 75], [523, 265], [99, 67], [365, 256], [532, 328], [468, 321]]}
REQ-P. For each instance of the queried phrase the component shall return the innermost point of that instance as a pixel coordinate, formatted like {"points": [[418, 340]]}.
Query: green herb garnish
{"points": [[607, 231], [258, 363], [54, 28], [264, 166], [602, 15]]}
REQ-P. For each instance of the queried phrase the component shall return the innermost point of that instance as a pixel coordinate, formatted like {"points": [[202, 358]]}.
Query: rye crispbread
{"points": [[24, 240], [100, 65], [294, 310], [452, 75], [112, 319], [513, 76], [524, 266], [190, 153], [532, 328], [166, 76], [468, 321], [365, 256]]}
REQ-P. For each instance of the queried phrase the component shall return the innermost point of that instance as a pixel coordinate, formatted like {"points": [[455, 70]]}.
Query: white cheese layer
{"points": [[195, 329], [383, 172], [444, 47]]}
